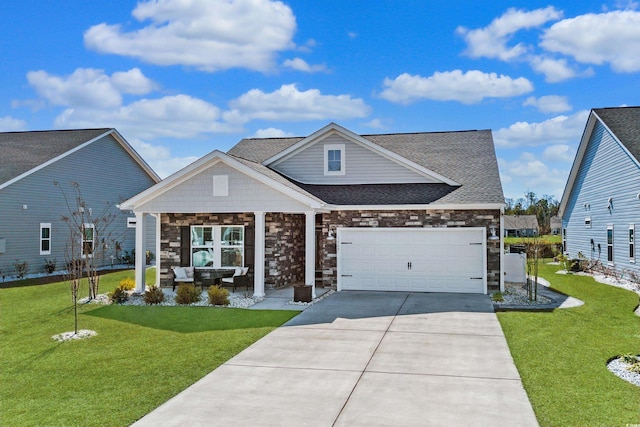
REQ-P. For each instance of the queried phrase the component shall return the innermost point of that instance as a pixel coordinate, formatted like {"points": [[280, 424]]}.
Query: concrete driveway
{"points": [[366, 359]]}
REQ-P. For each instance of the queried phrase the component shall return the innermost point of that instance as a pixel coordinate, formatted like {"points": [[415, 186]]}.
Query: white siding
{"points": [[362, 166], [245, 195], [607, 171]]}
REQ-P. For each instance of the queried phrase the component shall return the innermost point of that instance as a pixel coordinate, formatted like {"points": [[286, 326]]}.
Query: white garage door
{"points": [[412, 259]]}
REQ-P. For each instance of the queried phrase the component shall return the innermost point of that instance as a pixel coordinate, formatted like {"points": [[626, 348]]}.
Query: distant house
{"points": [[520, 226], [390, 212], [555, 224], [103, 164], [600, 206]]}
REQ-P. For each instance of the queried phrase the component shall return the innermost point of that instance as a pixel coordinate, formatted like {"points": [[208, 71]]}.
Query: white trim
{"points": [[632, 242], [310, 251], [429, 207], [116, 136], [206, 162], [44, 225], [501, 250], [141, 256], [332, 128], [158, 248], [334, 147], [611, 261], [259, 255], [93, 240]]}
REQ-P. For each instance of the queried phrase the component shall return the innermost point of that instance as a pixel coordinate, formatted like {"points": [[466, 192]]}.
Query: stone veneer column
{"points": [[310, 251], [258, 265]]}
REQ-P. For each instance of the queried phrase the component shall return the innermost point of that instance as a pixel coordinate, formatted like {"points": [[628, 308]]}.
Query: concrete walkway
{"points": [[366, 359]]}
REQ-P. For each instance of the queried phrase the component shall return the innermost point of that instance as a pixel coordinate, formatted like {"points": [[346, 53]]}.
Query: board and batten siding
{"points": [[362, 166], [245, 194], [607, 171], [105, 172]]}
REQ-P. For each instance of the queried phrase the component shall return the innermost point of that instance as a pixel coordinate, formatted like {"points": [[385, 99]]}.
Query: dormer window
{"points": [[334, 159]]}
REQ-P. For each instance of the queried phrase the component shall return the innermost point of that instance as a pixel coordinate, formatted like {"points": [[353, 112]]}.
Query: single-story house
{"points": [[555, 224], [520, 226], [106, 170], [406, 211], [600, 206]]}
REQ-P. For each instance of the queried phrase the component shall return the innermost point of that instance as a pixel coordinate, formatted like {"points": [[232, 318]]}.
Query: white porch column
{"points": [[258, 264], [310, 251], [158, 266], [140, 260]]}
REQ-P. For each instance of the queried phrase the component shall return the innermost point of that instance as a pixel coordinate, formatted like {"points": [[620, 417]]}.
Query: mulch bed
{"points": [[45, 280]]}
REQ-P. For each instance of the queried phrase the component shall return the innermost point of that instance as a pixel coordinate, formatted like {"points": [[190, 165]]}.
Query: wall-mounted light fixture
{"points": [[492, 229], [331, 235], [610, 203]]}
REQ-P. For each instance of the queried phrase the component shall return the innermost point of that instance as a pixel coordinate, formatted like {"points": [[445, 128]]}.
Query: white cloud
{"points": [[271, 133], [612, 37], [469, 88], [290, 104], [159, 157], [558, 153], [207, 35], [89, 87], [549, 103], [531, 173], [557, 130], [300, 64], [11, 124], [179, 116], [378, 124], [491, 41], [554, 70]]}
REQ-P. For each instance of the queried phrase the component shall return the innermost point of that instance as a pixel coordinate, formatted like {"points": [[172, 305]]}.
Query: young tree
{"points": [[534, 247], [89, 239]]}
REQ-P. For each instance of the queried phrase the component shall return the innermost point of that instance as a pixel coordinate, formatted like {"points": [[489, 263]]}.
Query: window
{"points": [[564, 240], [88, 240], [45, 239], [217, 246], [334, 159], [610, 244], [587, 222], [632, 243]]}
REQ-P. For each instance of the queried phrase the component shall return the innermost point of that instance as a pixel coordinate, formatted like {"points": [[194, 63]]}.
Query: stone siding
{"points": [[411, 218], [284, 249]]}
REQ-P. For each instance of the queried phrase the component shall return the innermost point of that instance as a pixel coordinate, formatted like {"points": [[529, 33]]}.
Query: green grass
{"points": [[141, 356], [549, 239], [562, 355]]}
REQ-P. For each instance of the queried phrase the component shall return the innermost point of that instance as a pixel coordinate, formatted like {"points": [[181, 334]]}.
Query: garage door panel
{"points": [[419, 260]]}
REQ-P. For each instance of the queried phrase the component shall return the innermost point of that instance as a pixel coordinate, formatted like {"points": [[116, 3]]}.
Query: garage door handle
{"points": [[346, 243], [346, 275], [475, 243], [475, 278]]}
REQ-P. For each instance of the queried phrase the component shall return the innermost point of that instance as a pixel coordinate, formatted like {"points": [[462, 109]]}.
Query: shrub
{"points": [[218, 295], [153, 295], [119, 295], [497, 297], [149, 256], [187, 294], [22, 268], [630, 358], [50, 265], [128, 284]]}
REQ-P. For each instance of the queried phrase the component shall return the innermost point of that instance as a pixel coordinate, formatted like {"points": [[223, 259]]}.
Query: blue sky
{"points": [[181, 78]]}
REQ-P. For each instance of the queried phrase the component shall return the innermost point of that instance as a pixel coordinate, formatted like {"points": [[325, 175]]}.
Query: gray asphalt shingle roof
{"points": [[624, 122], [22, 151], [467, 157], [520, 222]]}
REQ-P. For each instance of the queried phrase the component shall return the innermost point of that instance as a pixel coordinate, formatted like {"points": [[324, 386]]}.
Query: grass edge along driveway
{"points": [[562, 355], [141, 357]]}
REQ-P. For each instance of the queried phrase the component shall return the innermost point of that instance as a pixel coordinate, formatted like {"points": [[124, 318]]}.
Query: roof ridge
{"points": [[56, 130]]}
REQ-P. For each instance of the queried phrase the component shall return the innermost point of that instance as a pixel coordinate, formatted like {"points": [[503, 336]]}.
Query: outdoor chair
{"points": [[240, 278], [183, 275]]}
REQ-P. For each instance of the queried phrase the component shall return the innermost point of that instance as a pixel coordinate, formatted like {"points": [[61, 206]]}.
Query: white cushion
{"points": [[238, 271], [244, 270], [180, 272], [189, 271], [227, 279]]}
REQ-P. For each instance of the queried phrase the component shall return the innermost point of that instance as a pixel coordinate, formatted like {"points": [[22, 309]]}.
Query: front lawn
{"points": [[546, 239], [562, 355], [141, 356]]}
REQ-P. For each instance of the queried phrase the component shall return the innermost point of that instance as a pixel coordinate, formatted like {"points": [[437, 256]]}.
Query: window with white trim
{"points": [[610, 243], [334, 159], [632, 243], [564, 240], [88, 240], [217, 246], [45, 238]]}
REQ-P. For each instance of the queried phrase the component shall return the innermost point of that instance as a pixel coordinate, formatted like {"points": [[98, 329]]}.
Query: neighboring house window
{"points": [[217, 246], [45, 239], [632, 243], [610, 244], [88, 240], [334, 159], [564, 240], [587, 222]]}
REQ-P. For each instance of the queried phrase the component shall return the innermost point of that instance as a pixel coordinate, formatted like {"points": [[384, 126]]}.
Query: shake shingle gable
{"points": [[467, 157]]}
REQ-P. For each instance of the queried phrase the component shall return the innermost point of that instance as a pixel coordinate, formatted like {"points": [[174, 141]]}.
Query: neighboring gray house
{"points": [[555, 224], [407, 212], [520, 226], [107, 169], [600, 206]]}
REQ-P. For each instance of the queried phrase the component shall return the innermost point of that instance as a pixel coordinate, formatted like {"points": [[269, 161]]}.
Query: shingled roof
{"points": [[23, 151], [520, 222], [466, 157], [624, 122]]}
